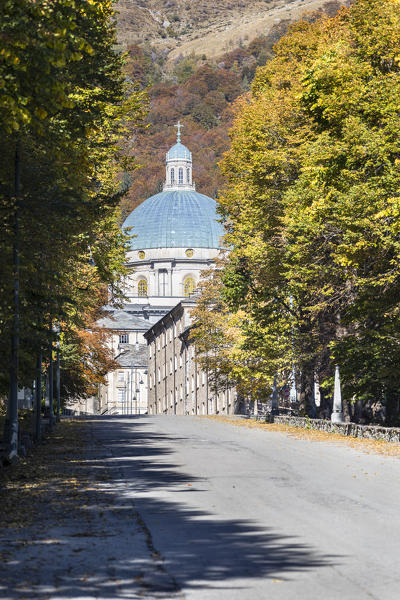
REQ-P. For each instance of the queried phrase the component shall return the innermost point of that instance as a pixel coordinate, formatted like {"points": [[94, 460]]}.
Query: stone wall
{"points": [[371, 432]]}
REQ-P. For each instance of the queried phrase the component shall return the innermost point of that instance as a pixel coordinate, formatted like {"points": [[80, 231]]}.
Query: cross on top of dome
{"points": [[178, 133]]}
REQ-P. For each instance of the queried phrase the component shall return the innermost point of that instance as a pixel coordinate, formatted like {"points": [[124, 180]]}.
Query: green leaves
{"points": [[312, 203], [66, 104]]}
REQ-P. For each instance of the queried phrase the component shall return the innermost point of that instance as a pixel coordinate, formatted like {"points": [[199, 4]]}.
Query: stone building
{"points": [[176, 234], [176, 383]]}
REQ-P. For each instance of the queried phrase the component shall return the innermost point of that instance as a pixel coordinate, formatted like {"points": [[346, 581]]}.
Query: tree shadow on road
{"points": [[94, 541]]}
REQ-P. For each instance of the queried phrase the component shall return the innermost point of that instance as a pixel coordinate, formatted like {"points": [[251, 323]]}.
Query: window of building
{"points": [[172, 176], [180, 175], [120, 376], [142, 287], [124, 338], [188, 175], [162, 282], [188, 287], [121, 395]]}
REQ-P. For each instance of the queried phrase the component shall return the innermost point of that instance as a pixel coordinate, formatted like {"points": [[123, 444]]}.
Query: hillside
{"points": [[200, 92], [180, 27]]}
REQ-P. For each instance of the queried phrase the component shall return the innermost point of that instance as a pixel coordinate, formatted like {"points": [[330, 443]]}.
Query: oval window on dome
{"points": [[141, 254], [189, 252]]}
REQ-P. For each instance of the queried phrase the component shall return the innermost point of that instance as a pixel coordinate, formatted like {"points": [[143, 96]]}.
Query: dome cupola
{"points": [[179, 166], [177, 217]]}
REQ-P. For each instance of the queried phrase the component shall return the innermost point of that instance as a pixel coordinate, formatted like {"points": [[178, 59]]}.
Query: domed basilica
{"points": [[175, 235]]}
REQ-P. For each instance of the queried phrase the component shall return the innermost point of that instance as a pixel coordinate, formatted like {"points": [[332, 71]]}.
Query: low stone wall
{"points": [[371, 432]]}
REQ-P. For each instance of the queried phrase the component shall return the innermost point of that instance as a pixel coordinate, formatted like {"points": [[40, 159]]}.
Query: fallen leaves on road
{"points": [[361, 444], [44, 476]]}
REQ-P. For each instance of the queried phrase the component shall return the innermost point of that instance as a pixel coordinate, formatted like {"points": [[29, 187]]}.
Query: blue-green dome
{"points": [[179, 151], [175, 219]]}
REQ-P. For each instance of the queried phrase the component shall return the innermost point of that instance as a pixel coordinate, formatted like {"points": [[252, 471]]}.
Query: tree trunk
{"points": [[307, 401]]}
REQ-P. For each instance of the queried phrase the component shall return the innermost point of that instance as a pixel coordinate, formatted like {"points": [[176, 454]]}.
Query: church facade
{"points": [[176, 235]]}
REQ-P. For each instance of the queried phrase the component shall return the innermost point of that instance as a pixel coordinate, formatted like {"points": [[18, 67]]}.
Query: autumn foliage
{"points": [[312, 211]]}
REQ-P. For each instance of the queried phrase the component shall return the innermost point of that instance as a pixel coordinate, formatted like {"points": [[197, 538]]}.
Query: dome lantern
{"points": [[179, 166]]}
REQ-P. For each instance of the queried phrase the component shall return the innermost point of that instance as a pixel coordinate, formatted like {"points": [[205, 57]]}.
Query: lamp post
{"points": [[136, 400], [337, 411], [131, 394]]}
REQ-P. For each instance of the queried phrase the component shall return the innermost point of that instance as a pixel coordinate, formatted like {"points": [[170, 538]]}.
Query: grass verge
{"points": [[300, 433]]}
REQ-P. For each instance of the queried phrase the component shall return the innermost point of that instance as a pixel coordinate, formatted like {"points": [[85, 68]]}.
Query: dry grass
{"points": [[248, 24], [205, 27], [360, 444]]}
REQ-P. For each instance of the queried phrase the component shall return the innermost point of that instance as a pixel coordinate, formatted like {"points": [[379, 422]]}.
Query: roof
{"points": [[179, 151], [133, 356], [175, 219], [122, 320], [174, 313]]}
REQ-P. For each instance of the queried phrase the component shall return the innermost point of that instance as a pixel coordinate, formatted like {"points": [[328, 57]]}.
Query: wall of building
{"points": [[165, 271], [177, 384], [119, 396]]}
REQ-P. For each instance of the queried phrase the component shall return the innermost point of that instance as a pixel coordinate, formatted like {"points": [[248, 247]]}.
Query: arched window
{"points": [[188, 175], [188, 287], [180, 175], [142, 287], [172, 175]]}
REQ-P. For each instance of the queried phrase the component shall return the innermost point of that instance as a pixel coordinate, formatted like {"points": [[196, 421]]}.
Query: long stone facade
{"points": [[176, 383]]}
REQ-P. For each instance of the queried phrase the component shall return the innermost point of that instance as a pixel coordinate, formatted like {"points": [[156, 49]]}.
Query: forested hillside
{"points": [[200, 93]]}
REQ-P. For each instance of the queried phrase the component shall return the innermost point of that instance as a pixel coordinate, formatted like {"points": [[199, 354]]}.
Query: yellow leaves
{"points": [[360, 444], [41, 112]]}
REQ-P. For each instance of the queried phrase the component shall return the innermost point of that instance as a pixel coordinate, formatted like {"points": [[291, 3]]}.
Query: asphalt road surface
{"points": [[239, 513], [195, 509]]}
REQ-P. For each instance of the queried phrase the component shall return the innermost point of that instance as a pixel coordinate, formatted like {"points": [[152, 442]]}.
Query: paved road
{"points": [[191, 508], [239, 513]]}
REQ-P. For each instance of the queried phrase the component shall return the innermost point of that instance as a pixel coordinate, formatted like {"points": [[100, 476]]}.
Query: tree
{"points": [[311, 205], [63, 120]]}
